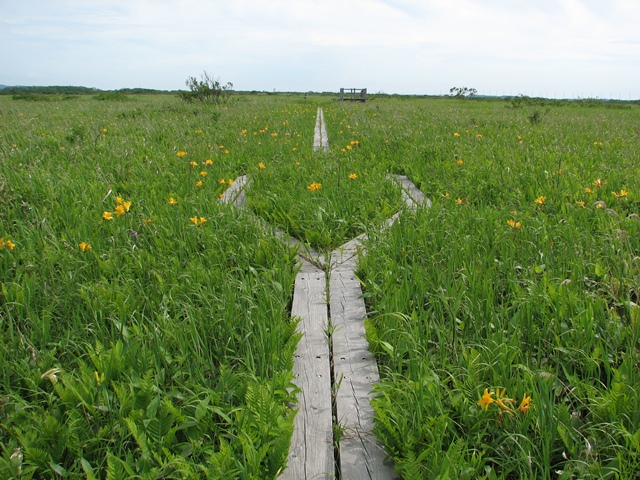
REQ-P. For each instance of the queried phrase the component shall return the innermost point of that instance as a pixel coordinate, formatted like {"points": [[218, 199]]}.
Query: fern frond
{"points": [[139, 436], [39, 457], [115, 468]]}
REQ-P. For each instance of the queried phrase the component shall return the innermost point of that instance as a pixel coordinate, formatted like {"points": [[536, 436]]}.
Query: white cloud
{"points": [[407, 46]]}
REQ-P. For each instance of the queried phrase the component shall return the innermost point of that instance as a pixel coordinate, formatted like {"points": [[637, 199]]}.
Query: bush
{"points": [[207, 89]]}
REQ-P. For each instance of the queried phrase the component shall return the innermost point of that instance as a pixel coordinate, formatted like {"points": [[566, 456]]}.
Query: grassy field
{"points": [[506, 317], [145, 328]]}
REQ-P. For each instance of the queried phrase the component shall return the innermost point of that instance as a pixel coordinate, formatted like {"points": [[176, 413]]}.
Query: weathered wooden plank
{"points": [[323, 132], [235, 193], [356, 370], [320, 138], [412, 195], [311, 452], [317, 133], [348, 252]]}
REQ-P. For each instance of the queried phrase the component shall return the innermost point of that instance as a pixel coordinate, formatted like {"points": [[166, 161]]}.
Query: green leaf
{"points": [[59, 469], [599, 270], [387, 347], [115, 469], [88, 469], [636, 441], [201, 409], [152, 409]]}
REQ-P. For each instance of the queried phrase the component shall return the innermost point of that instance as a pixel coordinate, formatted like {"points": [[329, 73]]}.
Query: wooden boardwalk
{"points": [[355, 372], [320, 139], [333, 428], [354, 369], [311, 454]]}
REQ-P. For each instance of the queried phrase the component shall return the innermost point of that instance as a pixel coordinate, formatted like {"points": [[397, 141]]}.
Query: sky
{"points": [[550, 48]]}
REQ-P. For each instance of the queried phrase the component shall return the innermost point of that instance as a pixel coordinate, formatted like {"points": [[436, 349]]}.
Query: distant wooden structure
{"points": [[353, 94]]}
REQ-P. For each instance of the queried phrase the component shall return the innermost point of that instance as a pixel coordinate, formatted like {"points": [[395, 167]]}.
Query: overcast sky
{"points": [[553, 48]]}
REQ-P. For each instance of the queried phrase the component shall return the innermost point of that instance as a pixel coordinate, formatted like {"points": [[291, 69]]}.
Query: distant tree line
{"points": [[71, 90], [54, 90], [463, 92]]}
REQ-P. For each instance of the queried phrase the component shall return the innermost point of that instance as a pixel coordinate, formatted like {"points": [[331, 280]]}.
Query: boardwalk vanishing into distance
{"points": [[320, 139], [333, 367]]}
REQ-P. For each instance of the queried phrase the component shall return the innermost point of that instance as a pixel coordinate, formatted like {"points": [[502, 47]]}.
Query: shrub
{"points": [[207, 89]]}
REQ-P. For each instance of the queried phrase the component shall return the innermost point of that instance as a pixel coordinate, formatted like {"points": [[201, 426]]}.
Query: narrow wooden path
{"points": [[355, 371], [311, 454], [334, 370], [320, 139]]}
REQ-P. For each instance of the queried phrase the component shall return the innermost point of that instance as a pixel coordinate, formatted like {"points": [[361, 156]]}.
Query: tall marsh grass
{"points": [[135, 340], [145, 327], [521, 282]]}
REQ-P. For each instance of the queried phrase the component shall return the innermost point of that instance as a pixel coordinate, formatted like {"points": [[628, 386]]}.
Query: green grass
{"points": [[324, 199], [165, 350], [495, 288]]}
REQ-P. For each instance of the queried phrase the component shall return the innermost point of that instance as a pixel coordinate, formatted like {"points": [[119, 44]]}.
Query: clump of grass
{"points": [[323, 200], [35, 97]]}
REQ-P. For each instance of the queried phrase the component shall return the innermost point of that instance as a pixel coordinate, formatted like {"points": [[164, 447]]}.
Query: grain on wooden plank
{"points": [[311, 451], [348, 252], [356, 370], [413, 196], [235, 193]]}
